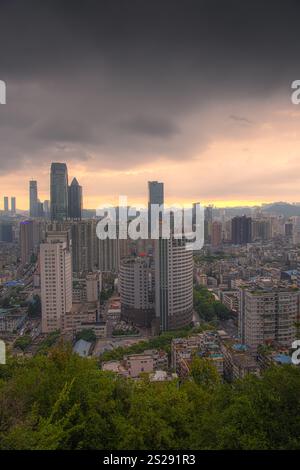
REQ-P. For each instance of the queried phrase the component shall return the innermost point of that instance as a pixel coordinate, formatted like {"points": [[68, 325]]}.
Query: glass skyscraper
{"points": [[75, 200], [59, 191], [155, 196], [156, 192]]}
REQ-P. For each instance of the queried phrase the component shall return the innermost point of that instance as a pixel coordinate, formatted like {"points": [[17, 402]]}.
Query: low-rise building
{"points": [[134, 365], [138, 363], [239, 360], [273, 354], [114, 309], [81, 313], [162, 376], [82, 347], [99, 328], [115, 366], [11, 319], [205, 345]]}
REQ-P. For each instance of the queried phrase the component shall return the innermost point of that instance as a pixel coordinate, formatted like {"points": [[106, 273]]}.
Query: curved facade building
{"points": [[173, 284], [136, 285]]}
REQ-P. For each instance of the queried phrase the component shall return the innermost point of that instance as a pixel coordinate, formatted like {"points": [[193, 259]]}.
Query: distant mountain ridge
{"points": [[282, 208]]}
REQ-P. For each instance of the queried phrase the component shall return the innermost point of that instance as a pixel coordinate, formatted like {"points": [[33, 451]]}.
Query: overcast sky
{"points": [[194, 93]]}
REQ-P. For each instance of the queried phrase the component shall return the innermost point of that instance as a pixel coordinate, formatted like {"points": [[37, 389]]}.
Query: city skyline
{"points": [[149, 229], [142, 200]]}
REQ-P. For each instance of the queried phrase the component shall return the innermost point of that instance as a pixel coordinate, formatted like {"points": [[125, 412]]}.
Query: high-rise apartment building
{"points": [[216, 234], [84, 242], [261, 229], [56, 280], [136, 284], [208, 218], [13, 205], [268, 316], [173, 283], [241, 230], [59, 191], [31, 234], [74, 200], [108, 254], [288, 229], [27, 240], [84, 245], [33, 199], [6, 232]]}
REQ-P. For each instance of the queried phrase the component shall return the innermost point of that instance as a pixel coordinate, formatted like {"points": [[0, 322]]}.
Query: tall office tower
{"points": [[173, 283], [108, 255], [208, 218], [6, 232], [59, 191], [84, 248], [216, 234], [136, 284], [155, 196], [241, 230], [155, 192], [33, 198], [13, 205], [270, 315], [74, 200], [56, 280], [6, 208], [46, 208]]}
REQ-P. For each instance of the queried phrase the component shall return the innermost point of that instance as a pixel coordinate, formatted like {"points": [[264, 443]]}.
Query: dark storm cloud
{"points": [[65, 130], [151, 126], [117, 78]]}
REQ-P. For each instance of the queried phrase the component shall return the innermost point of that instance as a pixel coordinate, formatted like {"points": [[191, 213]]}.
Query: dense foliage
{"points": [[86, 334], [207, 307], [23, 342], [50, 340], [63, 401], [163, 341], [105, 294]]}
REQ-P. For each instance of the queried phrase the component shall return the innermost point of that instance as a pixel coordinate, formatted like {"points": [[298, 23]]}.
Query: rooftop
{"points": [[82, 347], [283, 359]]}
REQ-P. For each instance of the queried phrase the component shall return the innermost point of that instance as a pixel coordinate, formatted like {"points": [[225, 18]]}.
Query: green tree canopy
{"points": [[63, 401]]}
